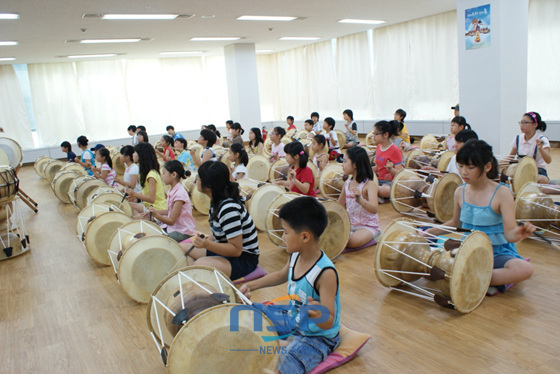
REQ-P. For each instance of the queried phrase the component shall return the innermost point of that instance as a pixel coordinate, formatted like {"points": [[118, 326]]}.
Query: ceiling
{"points": [[45, 25]]}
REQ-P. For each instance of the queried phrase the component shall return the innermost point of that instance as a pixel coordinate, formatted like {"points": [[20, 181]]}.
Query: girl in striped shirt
{"points": [[233, 247]]}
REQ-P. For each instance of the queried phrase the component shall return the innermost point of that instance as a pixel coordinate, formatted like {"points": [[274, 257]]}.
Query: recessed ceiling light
{"points": [[8, 42], [7, 58], [9, 16], [207, 16], [99, 55], [265, 18], [180, 53], [215, 38], [362, 21], [300, 38], [139, 16], [95, 41]]}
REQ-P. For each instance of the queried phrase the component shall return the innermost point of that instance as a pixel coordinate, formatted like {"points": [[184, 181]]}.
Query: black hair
{"points": [[315, 114], [170, 128], [209, 136], [183, 141], [215, 176], [396, 126], [385, 127], [229, 122], [175, 166], [258, 137], [294, 149], [82, 140], [141, 128], [132, 128], [243, 156], [237, 126], [478, 153], [104, 152], [66, 144], [349, 113], [401, 113], [464, 135], [461, 121], [359, 157], [330, 121], [305, 213], [309, 121], [320, 139], [168, 140], [280, 131], [144, 135], [147, 161], [212, 128], [127, 150], [536, 118], [291, 118]]}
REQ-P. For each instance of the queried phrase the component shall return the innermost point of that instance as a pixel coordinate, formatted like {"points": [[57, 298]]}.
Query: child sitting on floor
{"points": [[313, 279]]}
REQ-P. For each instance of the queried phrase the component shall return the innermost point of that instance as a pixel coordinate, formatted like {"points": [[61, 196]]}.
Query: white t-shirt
{"points": [[332, 147], [318, 127], [240, 169], [133, 169], [527, 148], [452, 166], [278, 150]]}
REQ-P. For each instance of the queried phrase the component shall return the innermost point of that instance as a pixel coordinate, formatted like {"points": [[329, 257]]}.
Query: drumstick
{"points": [[541, 236], [201, 236]]}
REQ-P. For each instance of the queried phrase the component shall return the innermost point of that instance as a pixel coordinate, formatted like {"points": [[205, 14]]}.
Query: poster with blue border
{"points": [[477, 27]]}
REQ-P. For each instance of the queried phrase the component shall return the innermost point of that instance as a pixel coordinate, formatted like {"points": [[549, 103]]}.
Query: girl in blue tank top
{"points": [[485, 205]]}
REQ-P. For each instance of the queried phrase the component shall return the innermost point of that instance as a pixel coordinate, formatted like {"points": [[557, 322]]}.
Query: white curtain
{"points": [[543, 73], [416, 67], [13, 113], [56, 103], [321, 82]]}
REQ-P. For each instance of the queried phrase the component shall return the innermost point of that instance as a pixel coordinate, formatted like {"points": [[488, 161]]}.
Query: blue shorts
{"points": [[383, 182], [542, 171], [500, 261], [304, 353]]}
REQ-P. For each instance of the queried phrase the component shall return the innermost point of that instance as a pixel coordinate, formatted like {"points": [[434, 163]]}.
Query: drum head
{"points": [[146, 262], [405, 183], [471, 272], [13, 152], [331, 182], [87, 215], [273, 225], [267, 148], [400, 231], [525, 172], [100, 191], [52, 168], [370, 139], [115, 198], [77, 168], [258, 168], [247, 188], [39, 165], [73, 187], [260, 201], [301, 134], [205, 343], [168, 292], [130, 233], [118, 165], [12, 246], [9, 183], [99, 233], [444, 160], [61, 183], [200, 201], [279, 170], [443, 197], [532, 204], [341, 138], [429, 142], [85, 189], [410, 162], [337, 233]]}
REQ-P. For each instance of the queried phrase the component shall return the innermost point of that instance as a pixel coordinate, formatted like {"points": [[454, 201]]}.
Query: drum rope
{"points": [[409, 256], [111, 255], [157, 319], [404, 272], [412, 293], [418, 288]]}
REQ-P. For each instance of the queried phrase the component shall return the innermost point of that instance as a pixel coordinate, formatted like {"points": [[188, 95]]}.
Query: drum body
{"points": [[118, 165], [75, 167], [521, 173], [84, 189], [279, 170], [260, 201], [9, 183], [51, 168], [247, 188], [410, 190], [62, 182], [99, 232], [39, 165], [110, 195], [461, 270], [10, 153], [129, 233], [331, 181], [145, 263], [258, 168], [536, 207], [87, 215], [429, 142]]}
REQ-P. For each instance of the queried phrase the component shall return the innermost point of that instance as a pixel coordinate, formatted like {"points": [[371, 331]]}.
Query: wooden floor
{"points": [[62, 313]]}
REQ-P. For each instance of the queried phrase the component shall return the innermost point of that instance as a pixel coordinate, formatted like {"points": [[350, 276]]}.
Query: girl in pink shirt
{"points": [[105, 172], [178, 218]]}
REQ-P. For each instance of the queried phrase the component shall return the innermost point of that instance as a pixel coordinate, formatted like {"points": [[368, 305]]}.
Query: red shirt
{"points": [[304, 175], [392, 154], [292, 126]]}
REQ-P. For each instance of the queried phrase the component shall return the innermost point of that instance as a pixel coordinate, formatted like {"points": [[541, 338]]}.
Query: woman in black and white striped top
{"points": [[234, 247]]}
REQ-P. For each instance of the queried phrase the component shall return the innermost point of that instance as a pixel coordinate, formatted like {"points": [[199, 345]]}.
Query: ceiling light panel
{"points": [[8, 42], [96, 41], [7, 58], [9, 16]]}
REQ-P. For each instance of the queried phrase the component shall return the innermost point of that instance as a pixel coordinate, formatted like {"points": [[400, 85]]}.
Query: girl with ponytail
{"points": [[300, 176]]}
